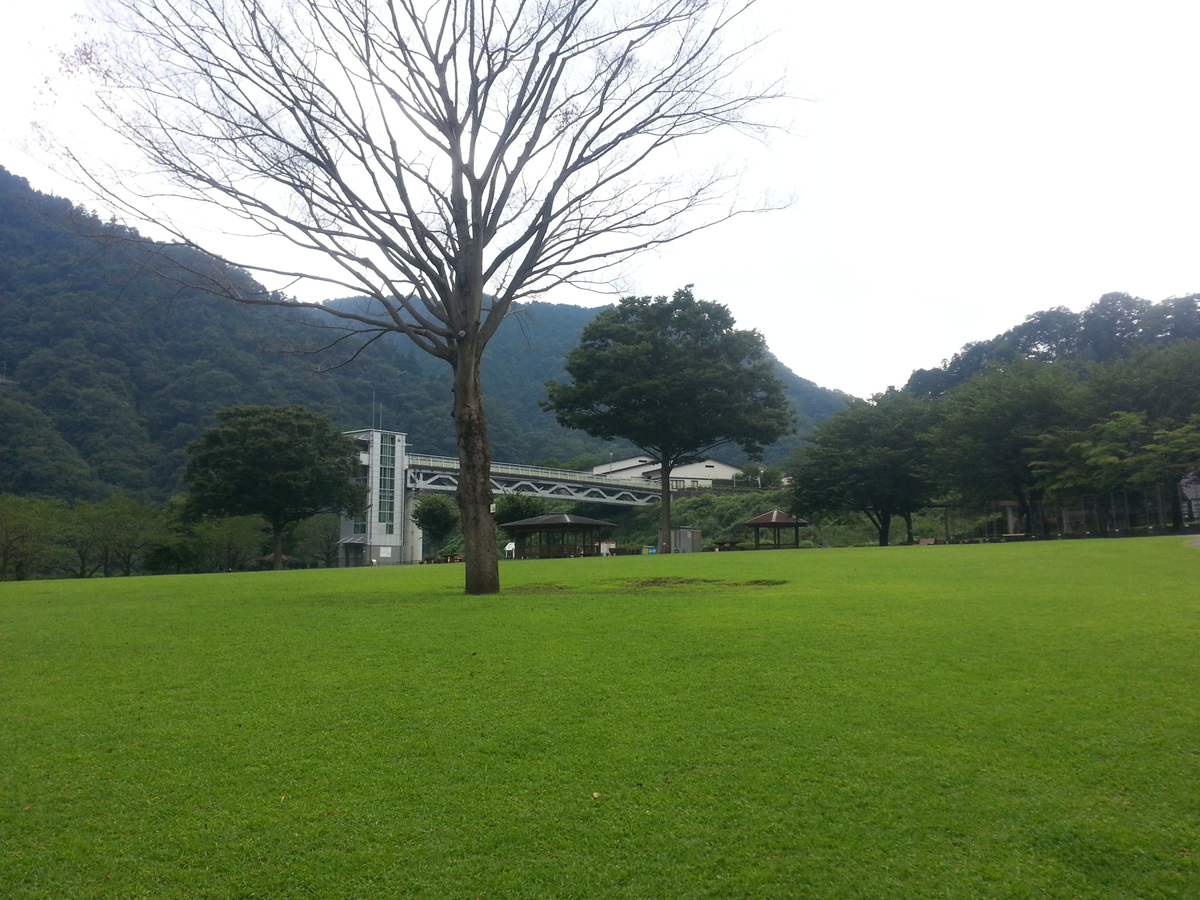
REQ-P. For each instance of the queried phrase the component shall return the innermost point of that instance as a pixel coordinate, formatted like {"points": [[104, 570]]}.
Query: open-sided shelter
{"points": [[777, 522], [556, 536]]}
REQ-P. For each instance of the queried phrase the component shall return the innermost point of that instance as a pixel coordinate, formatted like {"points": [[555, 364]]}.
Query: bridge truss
{"points": [[440, 473]]}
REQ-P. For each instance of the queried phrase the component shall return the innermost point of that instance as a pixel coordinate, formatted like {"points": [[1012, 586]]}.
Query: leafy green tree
{"points": [[1096, 460], [989, 429], [1175, 319], [183, 545], [874, 458], [760, 476], [673, 377], [129, 527], [29, 533], [316, 540], [1161, 381], [283, 463], [437, 517], [1172, 454], [83, 534], [108, 535], [1104, 456], [230, 544], [173, 548], [514, 507], [1113, 326], [1119, 452], [719, 517]]}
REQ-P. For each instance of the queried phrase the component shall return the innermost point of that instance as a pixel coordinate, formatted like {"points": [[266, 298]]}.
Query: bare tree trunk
{"points": [[277, 546], [664, 527], [474, 475]]}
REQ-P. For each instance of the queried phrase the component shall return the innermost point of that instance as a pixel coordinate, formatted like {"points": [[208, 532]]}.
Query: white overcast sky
{"points": [[955, 167]]}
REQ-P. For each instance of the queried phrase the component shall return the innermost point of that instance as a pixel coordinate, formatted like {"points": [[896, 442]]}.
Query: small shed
{"points": [[776, 521], [556, 536]]}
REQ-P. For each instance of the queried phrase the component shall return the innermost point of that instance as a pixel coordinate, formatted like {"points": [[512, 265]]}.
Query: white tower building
{"points": [[384, 535]]}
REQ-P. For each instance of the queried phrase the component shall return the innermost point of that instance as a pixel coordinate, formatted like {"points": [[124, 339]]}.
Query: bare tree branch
{"points": [[426, 152]]}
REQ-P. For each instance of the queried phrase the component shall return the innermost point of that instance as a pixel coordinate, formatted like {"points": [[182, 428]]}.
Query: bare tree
{"points": [[443, 158]]}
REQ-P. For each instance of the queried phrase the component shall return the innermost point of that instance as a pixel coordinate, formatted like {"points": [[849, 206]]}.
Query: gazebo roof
{"points": [[557, 522], [775, 517]]}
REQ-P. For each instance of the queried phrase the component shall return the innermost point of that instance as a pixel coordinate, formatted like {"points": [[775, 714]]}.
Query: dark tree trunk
{"points": [[664, 522], [885, 528], [277, 546], [908, 527], [1177, 501], [474, 475], [1026, 509]]}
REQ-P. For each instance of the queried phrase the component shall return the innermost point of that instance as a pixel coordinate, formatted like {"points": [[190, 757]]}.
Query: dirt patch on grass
{"points": [[671, 582], [764, 582], [545, 587]]}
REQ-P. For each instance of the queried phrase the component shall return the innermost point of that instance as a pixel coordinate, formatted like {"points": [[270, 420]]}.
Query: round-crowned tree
{"points": [[283, 463], [437, 517], [673, 377]]}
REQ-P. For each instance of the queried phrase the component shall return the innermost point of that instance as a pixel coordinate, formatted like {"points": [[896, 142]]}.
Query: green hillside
{"points": [[118, 366]]}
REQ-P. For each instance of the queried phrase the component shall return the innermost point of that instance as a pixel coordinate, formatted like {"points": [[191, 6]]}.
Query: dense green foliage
{"points": [[673, 377], [119, 536], [1114, 327], [515, 507], [1078, 411], [873, 458], [977, 723], [437, 517], [282, 463], [30, 531]]}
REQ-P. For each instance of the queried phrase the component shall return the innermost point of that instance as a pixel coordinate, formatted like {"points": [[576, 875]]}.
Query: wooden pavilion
{"points": [[776, 521], [556, 536]]}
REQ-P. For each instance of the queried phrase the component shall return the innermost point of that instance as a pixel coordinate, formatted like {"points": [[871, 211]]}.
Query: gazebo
{"points": [[776, 520], [556, 536]]}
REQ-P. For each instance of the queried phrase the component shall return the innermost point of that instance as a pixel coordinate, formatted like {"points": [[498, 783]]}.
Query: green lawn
{"points": [[1005, 721]]}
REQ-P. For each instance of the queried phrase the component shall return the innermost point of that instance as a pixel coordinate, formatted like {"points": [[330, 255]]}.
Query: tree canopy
{"points": [[989, 426], [874, 458], [437, 517], [676, 379], [283, 463]]}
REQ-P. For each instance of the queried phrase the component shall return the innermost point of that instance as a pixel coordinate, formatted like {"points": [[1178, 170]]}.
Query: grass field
{"points": [[1005, 721]]}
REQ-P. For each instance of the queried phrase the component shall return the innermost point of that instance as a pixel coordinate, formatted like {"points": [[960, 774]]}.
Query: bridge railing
{"points": [[450, 464]]}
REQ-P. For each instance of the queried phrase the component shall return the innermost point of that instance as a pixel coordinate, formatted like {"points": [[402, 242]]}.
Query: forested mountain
{"points": [[1114, 327], [118, 366]]}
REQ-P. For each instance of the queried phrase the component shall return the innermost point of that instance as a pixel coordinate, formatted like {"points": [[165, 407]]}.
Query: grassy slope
{"points": [[981, 721]]}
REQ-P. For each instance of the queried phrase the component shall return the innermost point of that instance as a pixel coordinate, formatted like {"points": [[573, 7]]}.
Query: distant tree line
{"points": [[120, 536], [268, 482], [1063, 406]]}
